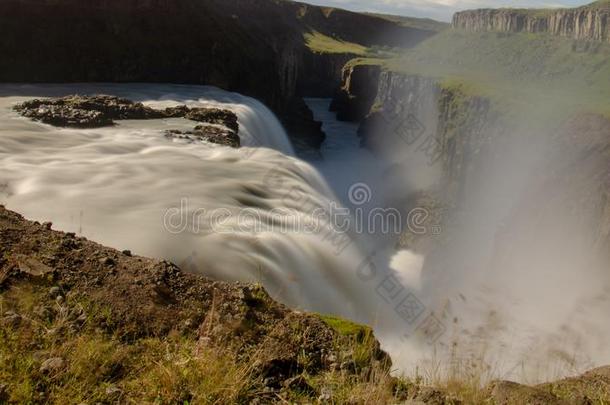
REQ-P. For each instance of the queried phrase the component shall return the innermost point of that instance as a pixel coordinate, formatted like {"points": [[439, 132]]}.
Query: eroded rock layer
{"points": [[583, 23]]}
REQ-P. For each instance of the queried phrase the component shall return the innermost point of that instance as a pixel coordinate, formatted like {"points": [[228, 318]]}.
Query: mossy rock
{"points": [[345, 327]]}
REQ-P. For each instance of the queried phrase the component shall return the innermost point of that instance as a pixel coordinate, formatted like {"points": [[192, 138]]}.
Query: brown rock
{"points": [[214, 116], [52, 365], [509, 393], [210, 133], [85, 111], [233, 317], [32, 267]]}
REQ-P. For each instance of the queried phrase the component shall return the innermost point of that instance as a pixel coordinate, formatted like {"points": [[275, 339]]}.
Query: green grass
{"points": [[600, 4], [519, 72], [344, 326], [321, 43], [425, 24], [366, 61], [100, 367]]}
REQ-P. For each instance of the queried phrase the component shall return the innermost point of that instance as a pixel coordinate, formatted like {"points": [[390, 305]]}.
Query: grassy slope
{"points": [[419, 23], [124, 329], [320, 43], [337, 31], [520, 72], [323, 44]]}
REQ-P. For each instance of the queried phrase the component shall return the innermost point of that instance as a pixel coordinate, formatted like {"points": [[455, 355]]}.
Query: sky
{"points": [[439, 9]]}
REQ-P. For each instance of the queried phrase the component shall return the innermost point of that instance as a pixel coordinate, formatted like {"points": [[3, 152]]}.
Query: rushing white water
{"points": [[246, 214]]}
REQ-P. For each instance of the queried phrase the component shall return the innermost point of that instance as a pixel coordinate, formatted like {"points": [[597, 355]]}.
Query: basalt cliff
{"points": [[465, 148], [591, 22]]}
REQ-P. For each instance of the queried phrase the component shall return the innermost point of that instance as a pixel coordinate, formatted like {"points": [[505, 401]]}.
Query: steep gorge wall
{"points": [[182, 41], [590, 23], [418, 115], [522, 210], [322, 73], [252, 46], [491, 170], [354, 98]]}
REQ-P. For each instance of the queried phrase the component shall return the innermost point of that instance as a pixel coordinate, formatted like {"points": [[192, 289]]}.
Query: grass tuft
{"points": [[320, 43]]}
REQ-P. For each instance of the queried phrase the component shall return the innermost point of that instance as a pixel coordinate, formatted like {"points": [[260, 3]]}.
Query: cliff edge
{"points": [[590, 22]]}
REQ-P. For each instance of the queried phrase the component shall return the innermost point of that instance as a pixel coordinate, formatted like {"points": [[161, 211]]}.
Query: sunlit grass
{"points": [[321, 43], [521, 73]]}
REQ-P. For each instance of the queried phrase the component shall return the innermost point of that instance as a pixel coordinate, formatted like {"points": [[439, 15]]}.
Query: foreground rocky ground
{"points": [[82, 323], [78, 111], [85, 323]]}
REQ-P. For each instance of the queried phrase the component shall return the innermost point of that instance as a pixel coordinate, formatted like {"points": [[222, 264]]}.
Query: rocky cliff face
{"points": [[477, 162], [120, 308], [324, 73], [590, 23], [365, 29], [415, 114], [254, 47], [354, 99]]}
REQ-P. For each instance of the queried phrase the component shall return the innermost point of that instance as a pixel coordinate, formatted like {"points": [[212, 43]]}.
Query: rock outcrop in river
{"points": [[218, 125]]}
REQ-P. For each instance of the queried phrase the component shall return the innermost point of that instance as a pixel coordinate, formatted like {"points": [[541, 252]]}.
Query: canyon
{"points": [[254, 47], [491, 131], [488, 176]]}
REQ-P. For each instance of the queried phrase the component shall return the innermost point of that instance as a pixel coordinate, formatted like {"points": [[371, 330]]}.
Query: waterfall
{"points": [[253, 214]]}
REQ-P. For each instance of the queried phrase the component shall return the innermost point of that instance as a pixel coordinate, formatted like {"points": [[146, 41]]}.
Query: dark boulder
{"points": [[219, 126], [214, 116], [209, 133], [176, 112], [85, 111], [60, 116], [305, 132]]}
